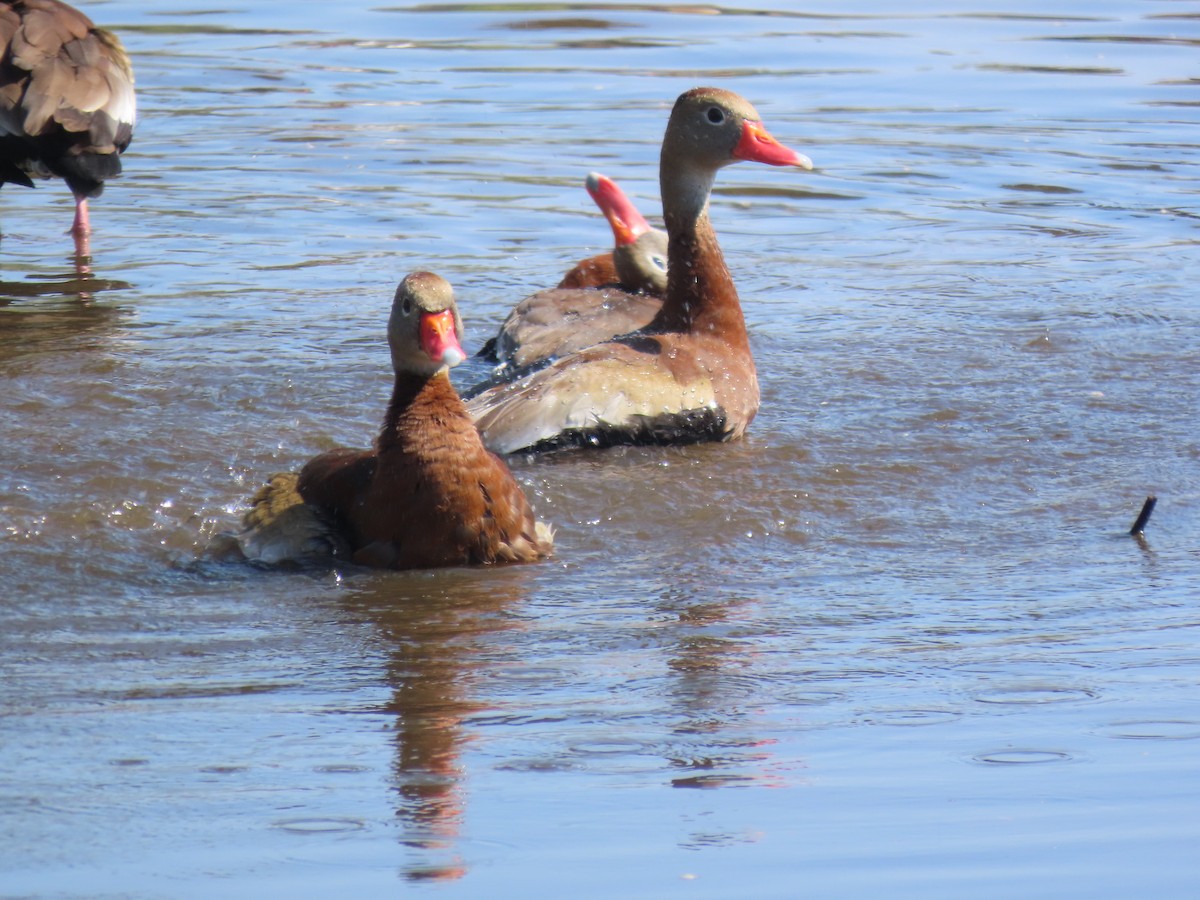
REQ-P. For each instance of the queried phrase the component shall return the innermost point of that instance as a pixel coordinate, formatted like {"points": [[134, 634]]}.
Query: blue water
{"points": [[896, 643]]}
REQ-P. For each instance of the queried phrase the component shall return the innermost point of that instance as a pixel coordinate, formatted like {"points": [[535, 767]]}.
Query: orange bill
{"points": [[627, 223], [757, 145], [439, 339]]}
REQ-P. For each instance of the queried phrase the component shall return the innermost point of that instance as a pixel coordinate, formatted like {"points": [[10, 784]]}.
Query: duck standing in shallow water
{"points": [[687, 376], [429, 494], [601, 297], [67, 106]]}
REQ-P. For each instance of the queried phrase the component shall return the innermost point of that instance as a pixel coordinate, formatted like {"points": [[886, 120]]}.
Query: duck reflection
{"points": [[714, 690], [78, 282], [715, 694], [41, 311], [439, 626]]}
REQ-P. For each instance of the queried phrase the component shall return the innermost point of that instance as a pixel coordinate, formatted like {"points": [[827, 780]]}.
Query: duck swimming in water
{"points": [[602, 297], [689, 374], [429, 494]]}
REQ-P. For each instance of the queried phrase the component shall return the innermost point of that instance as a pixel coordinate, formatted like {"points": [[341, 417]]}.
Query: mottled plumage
{"points": [[67, 104]]}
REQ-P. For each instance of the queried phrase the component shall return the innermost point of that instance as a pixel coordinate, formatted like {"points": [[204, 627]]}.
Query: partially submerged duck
{"points": [[688, 375], [602, 297], [638, 259], [429, 494]]}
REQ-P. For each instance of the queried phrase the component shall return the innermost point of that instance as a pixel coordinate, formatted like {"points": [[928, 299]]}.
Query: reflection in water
{"points": [[435, 623], [712, 691], [81, 283], [37, 315]]}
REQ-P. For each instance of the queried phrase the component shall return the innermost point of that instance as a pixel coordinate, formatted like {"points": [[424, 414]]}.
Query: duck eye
{"points": [[659, 262], [407, 306], [715, 115]]}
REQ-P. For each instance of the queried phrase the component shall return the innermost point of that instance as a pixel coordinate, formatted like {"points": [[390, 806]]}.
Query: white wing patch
{"points": [[615, 388]]}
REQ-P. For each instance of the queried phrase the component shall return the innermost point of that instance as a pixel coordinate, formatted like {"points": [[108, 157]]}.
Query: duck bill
{"points": [[439, 338], [757, 145], [627, 223]]}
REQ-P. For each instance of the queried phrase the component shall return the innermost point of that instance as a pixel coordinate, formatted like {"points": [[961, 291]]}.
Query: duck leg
{"points": [[81, 229]]}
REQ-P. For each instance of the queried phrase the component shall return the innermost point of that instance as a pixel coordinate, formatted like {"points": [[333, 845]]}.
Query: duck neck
{"points": [[417, 401], [700, 295]]}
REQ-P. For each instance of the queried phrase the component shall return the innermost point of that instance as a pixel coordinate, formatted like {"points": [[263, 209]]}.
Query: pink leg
{"points": [[81, 230]]}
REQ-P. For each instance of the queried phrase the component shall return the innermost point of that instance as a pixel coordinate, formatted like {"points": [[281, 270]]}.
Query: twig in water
{"points": [[1144, 516]]}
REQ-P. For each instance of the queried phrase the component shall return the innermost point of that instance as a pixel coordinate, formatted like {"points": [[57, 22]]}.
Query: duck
{"points": [[638, 260], [688, 375], [599, 298], [67, 102], [428, 494]]}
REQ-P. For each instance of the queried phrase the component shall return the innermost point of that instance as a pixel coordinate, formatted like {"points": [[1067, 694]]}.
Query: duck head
{"points": [[425, 330], [710, 128], [640, 251]]}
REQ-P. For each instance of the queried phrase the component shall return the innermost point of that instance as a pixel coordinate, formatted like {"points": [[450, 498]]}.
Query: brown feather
{"points": [[553, 323], [437, 497], [280, 526], [429, 494], [67, 103], [593, 272]]}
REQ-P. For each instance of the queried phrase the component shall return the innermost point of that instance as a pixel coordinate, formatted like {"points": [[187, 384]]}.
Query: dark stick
{"points": [[1144, 516]]}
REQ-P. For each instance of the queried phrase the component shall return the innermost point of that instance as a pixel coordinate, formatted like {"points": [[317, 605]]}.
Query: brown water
{"points": [[897, 643]]}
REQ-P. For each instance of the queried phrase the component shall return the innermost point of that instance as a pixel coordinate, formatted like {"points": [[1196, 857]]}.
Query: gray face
{"points": [[705, 126], [419, 294], [642, 265]]}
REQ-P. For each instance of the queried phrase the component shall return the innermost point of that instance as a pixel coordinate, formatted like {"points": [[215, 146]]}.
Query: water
{"points": [[896, 642]]}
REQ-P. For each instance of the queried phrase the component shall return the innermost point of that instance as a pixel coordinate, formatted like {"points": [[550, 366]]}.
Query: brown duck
{"points": [[689, 374], [601, 297], [638, 260], [429, 494]]}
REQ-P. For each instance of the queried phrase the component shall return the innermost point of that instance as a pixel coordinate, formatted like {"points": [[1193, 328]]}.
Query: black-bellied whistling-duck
{"points": [[600, 298], [687, 376], [638, 260], [67, 106], [429, 494], [639, 251]]}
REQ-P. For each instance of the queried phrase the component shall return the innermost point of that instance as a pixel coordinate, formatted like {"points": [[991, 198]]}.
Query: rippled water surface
{"points": [[897, 643]]}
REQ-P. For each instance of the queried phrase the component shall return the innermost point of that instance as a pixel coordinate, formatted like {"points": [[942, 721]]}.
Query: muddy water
{"points": [[896, 642]]}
